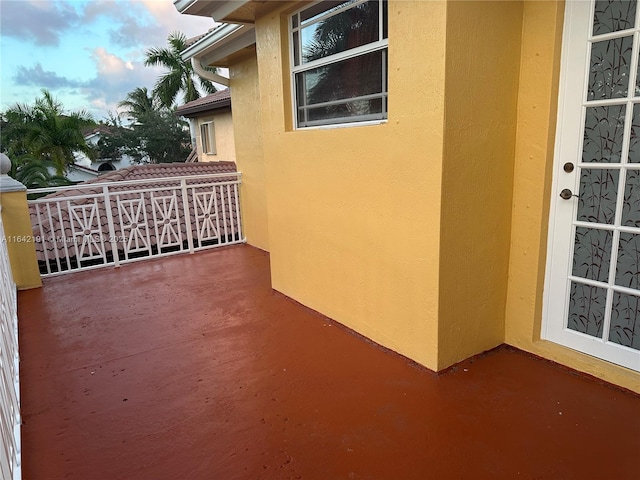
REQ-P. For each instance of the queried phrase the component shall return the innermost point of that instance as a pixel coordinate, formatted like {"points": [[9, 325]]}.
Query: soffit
{"points": [[230, 11]]}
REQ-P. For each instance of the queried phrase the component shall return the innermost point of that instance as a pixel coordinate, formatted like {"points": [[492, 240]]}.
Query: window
{"points": [[208, 137], [339, 62], [106, 167]]}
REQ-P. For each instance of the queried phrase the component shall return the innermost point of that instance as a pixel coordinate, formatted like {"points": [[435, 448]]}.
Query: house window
{"points": [[339, 62], [106, 167], [208, 137]]}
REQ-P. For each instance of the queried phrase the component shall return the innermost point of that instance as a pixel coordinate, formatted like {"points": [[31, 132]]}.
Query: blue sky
{"points": [[88, 53]]}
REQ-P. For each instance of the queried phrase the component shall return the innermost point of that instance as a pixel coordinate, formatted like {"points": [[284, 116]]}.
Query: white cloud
{"points": [[169, 20], [144, 23], [114, 79], [110, 65]]}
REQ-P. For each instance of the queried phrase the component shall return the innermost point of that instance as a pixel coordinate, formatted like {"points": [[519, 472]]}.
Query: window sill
{"points": [[342, 125]]}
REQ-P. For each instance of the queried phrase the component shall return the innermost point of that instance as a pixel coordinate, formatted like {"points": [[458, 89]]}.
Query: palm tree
{"points": [[35, 173], [180, 77], [138, 104], [45, 131]]}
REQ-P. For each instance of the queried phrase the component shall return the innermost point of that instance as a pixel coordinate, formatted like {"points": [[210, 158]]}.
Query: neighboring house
{"points": [[444, 176], [85, 168], [80, 173], [211, 126]]}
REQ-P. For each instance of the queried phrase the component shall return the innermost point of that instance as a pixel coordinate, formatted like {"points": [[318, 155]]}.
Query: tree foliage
{"points": [[157, 136], [45, 131], [35, 172], [180, 75], [138, 103]]}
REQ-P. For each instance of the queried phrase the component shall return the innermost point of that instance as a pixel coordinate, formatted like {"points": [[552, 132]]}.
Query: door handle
{"points": [[566, 194]]}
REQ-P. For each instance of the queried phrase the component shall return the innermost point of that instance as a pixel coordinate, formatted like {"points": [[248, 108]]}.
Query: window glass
{"points": [[350, 90], [321, 8], [349, 29], [339, 53], [207, 135]]}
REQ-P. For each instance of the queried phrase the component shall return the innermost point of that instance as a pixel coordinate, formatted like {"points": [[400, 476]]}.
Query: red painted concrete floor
{"points": [[191, 367]]}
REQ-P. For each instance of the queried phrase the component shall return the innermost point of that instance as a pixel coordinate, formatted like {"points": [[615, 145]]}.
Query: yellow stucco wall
{"points": [[537, 110], [483, 47], [426, 233], [19, 239], [354, 212], [245, 98], [225, 143]]}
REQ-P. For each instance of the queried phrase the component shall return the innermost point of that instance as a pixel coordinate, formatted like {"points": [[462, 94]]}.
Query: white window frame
{"points": [[207, 129], [381, 45]]}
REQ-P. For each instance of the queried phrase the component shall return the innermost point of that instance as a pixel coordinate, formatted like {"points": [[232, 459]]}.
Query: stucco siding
{"points": [[483, 48], [353, 212], [249, 150]]}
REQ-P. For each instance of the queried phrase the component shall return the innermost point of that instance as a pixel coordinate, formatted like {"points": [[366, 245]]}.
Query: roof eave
{"points": [[212, 107], [221, 43], [219, 10]]}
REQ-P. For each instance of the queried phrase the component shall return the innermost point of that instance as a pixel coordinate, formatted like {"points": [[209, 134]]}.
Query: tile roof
{"points": [[162, 170], [193, 40], [83, 194], [214, 101]]}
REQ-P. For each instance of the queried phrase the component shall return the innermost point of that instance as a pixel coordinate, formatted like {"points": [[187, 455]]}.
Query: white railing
{"points": [[98, 224], [10, 458]]}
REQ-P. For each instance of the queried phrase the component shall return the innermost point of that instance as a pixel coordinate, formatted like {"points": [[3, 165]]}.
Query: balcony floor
{"points": [[191, 367]]}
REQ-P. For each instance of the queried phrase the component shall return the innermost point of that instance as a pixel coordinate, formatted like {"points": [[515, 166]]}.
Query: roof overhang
{"points": [[230, 11], [220, 46], [193, 111]]}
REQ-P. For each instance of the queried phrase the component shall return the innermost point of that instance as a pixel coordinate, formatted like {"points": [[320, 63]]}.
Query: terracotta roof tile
{"points": [[193, 40], [214, 101], [161, 170]]}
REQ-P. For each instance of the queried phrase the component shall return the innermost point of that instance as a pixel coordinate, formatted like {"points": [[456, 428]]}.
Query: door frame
{"points": [[560, 239]]}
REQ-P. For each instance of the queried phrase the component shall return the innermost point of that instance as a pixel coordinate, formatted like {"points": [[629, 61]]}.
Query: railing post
{"points": [[187, 214], [17, 228], [236, 187], [112, 230]]}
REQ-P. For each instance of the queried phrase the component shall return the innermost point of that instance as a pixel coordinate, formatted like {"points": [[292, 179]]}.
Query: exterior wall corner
{"points": [[19, 238]]}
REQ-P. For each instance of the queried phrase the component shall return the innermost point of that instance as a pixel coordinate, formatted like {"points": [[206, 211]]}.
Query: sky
{"points": [[88, 53]]}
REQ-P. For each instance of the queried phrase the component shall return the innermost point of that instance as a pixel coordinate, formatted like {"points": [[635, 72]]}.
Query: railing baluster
{"points": [[64, 238], [233, 227], [237, 200], [215, 198], [54, 238], [10, 420], [159, 236], [143, 206], [43, 239], [112, 229], [73, 235], [187, 214], [225, 207]]}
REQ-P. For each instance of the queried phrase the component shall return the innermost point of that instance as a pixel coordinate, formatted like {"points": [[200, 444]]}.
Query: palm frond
{"points": [[180, 76]]}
